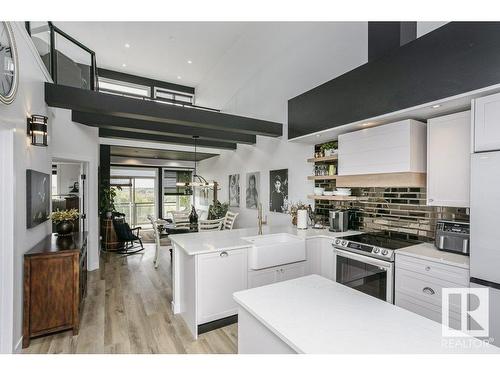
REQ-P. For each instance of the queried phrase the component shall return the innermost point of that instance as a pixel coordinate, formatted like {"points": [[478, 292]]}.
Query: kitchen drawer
{"points": [[424, 288], [456, 275], [426, 310]]}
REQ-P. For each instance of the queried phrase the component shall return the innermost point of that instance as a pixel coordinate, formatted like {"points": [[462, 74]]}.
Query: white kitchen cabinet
{"points": [[276, 274], [219, 275], [262, 277], [328, 263], [486, 114], [391, 148], [292, 271], [313, 255], [448, 160], [419, 285]]}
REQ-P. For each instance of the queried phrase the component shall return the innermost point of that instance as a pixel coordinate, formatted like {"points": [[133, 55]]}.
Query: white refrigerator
{"points": [[485, 232]]}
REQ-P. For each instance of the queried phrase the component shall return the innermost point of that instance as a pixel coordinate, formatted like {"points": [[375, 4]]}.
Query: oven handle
{"points": [[364, 259]]}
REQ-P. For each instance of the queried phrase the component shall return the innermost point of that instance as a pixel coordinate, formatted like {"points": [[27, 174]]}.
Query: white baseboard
{"points": [[19, 346]]}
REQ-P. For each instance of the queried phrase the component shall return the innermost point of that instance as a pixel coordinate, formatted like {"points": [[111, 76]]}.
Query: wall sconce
{"points": [[37, 130]]}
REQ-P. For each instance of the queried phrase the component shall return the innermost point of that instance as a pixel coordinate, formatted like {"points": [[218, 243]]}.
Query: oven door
{"points": [[366, 274]]}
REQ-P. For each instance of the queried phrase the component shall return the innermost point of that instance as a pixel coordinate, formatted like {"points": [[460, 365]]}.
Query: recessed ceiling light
{"points": [[179, 77], [127, 45], [124, 65], [436, 106], [318, 135], [190, 62]]}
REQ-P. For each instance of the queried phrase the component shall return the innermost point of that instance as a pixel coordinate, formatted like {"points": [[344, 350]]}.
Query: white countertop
{"points": [[428, 251], [312, 314], [207, 242]]}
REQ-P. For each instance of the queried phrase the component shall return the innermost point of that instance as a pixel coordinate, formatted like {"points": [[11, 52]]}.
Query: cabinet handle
{"points": [[428, 290], [224, 254], [427, 268]]}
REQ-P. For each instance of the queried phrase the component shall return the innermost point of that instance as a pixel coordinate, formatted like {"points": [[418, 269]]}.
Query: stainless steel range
{"points": [[365, 262]]}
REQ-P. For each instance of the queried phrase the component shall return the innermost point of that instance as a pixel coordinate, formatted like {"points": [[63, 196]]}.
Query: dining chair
{"points": [[229, 220], [181, 219], [156, 231], [210, 225]]}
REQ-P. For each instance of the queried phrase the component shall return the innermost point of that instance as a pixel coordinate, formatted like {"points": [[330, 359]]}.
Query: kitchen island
{"points": [[314, 315], [208, 267]]}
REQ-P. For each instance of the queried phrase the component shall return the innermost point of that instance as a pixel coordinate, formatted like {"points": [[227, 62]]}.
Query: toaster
{"points": [[453, 236]]}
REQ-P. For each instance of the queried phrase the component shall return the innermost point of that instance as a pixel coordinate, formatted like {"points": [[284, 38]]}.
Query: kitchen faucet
{"points": [[259, 218]]}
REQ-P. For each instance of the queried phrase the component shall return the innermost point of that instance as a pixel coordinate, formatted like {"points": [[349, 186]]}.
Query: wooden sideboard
{"points": [[55, 285]]}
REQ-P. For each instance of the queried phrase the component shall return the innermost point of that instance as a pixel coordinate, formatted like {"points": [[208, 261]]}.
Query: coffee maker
{"points": [[339, 220]]}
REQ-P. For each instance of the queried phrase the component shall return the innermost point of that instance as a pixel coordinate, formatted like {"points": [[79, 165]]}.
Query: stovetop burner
{"points": [[386, 240], [375, 244]]}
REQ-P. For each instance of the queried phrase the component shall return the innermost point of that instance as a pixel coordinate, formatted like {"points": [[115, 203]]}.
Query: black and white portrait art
{"points": [[38, 197], [253, 189], [234, 190], [278, 190]]}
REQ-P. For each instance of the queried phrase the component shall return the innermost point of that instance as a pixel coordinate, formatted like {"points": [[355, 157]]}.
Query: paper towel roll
{"points": [[301, 219]]}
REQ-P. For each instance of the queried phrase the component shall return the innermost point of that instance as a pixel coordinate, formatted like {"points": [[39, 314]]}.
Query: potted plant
{"points": [[293, 208], [107, 204], [64, 221], [329, 148], [217, 210]]}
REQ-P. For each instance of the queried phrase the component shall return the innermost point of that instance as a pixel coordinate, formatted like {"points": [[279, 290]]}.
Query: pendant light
{"points": [[197, 180]]}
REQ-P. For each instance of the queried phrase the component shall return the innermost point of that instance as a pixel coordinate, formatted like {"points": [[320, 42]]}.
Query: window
{"points": [[175, 198], [174, 97], [111, 86]]}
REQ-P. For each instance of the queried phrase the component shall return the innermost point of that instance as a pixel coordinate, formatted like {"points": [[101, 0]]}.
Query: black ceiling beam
{"points": [[159, 128], [143, 81], [112, 133], [91, 101]]}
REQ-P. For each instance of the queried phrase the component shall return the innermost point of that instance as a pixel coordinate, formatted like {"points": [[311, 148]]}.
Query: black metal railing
{"points": [[68, 61]]}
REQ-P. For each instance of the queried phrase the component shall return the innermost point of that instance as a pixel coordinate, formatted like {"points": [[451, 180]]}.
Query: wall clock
{"points": [[8, 64]]}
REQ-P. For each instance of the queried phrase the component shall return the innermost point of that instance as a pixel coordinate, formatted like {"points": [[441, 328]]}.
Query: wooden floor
{"points": [[127, 310]]}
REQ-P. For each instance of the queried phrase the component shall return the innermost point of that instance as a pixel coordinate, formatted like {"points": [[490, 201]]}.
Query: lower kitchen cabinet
{"points": [[272, 275], [419, 287], [219, 275], [327, 268], [313, 255]]}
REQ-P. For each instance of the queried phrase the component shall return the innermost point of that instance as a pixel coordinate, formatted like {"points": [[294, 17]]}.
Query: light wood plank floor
{"points": [[127, 310]]}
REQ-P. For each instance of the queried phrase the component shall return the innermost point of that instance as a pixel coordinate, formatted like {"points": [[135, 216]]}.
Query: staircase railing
{"points": [[64, 69]]}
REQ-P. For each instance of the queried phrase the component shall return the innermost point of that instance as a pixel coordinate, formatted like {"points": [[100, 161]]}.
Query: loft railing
{"points": [[68, 61], [71, 63]]}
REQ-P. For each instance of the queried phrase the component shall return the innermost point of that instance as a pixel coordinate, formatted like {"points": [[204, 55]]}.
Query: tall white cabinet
{"points": [[448, 160]]}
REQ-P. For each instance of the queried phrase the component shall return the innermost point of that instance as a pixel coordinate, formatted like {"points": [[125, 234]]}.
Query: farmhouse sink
{"points": [[275, 249]]}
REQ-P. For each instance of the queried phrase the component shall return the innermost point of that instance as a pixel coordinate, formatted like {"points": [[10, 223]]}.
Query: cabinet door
{"points": [[313, 255], [327, 259], [52, 293], [262, 277], [448, 160], [219, 275], [487, 123], [292, 271]]}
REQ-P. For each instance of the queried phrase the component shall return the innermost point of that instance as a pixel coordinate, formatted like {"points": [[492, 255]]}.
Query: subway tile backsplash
{"points": [[401, 210]]}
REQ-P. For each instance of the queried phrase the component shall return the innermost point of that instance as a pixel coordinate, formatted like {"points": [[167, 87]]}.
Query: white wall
{"points": [[425, 27], [76, 142], [315, 54], [66, 140]]}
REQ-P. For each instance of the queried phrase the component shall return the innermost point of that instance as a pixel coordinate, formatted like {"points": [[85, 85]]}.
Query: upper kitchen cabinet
{"points": [[486, 112], [448, 160], [392, 148]]}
